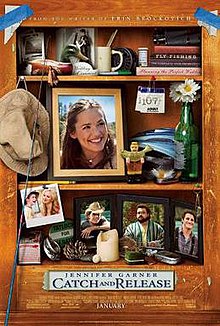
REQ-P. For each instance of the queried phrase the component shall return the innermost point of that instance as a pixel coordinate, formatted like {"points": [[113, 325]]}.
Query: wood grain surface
{"points": [[196, 298]]}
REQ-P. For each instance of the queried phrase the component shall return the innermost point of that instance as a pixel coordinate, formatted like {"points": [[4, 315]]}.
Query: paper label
{"points": [[150, 100], [110, 280]]}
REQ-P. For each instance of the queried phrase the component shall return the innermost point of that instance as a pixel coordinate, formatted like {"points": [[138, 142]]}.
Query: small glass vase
{"points": [[187, 139]]}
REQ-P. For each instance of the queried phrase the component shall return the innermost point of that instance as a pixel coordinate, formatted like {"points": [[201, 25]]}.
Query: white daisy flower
{"points": [[184, 92]]}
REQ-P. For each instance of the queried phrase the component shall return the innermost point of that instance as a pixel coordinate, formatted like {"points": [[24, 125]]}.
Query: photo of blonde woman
{"points": [[47, 200]]}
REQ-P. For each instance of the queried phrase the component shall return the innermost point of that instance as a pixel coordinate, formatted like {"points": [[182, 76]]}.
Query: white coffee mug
{"points": [[104, 57]]}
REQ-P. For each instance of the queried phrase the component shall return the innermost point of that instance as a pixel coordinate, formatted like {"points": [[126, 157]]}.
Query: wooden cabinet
{"points": [[195, 299]]}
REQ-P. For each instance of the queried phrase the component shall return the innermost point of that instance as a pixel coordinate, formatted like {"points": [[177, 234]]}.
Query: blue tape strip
{"points": [[150, 90], [15, 16], [207, 17]]}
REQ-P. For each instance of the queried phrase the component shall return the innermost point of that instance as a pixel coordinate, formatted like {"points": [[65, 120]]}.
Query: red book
{"points": [[177, 49], [176, 56]]}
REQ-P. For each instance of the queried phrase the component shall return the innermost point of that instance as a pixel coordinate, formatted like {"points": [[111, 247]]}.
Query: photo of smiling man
{"points": [[144, 230], [186, 241]]}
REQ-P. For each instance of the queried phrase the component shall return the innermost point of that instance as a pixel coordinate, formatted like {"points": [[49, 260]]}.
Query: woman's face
{"points": [[91, 130], [47, 197]]}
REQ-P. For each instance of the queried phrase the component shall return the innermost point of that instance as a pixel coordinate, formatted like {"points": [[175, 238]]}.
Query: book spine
{"points": [[163, 63], [176, 56], [150, 71], [176, 49]]}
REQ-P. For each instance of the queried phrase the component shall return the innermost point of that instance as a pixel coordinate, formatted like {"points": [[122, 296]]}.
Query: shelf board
{"points": [[117, 265], [149, 185], [127, 78]]}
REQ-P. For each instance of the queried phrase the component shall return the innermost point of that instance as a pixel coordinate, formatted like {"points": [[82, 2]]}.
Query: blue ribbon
{"points": [[207, 17], [15, 16]]}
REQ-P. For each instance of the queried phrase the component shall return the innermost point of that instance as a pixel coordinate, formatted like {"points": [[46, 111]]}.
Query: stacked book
{"points": [[172, 71], [173, 58]]}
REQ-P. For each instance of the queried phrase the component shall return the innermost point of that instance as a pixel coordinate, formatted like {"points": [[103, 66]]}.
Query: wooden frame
{"points": [[177, 210], [80, 207], [159, 207], [196, 293], [110, 100]]}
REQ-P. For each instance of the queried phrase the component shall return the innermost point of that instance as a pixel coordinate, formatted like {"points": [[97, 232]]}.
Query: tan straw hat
{"points": [[95, 207], [18, 112]]}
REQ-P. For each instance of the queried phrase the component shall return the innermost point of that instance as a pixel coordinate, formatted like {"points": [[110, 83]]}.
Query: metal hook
{"points": [[22, 79]]}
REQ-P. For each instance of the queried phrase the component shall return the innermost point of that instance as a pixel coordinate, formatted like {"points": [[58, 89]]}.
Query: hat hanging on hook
{"points": [[20, 112]]}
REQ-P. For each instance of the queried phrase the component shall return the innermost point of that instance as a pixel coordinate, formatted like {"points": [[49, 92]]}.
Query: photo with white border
{"points": [[42, 205]]}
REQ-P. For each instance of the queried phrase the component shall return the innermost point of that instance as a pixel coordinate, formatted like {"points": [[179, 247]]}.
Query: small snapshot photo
{"points": [[84, 38], [31, 46], [42, 205], [187, 230], [92, 215], [145, 220]]}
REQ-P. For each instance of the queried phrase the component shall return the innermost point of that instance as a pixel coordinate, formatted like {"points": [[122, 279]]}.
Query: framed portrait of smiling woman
{"points": [[87, 134]]}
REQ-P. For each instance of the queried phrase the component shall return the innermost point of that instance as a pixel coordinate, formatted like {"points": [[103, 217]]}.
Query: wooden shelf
{"points": [[120, 264], [126, 78], [196, 286], [150, 185]]}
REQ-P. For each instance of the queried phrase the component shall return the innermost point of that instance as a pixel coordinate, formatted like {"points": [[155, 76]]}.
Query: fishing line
{"points": [[25, 195]]}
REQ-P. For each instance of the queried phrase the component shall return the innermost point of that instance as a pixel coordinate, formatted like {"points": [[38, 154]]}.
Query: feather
{"points": [[179, 159], [166, 176], [40, 66]]}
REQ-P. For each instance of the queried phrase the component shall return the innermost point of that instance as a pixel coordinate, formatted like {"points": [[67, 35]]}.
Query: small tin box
{"points": [[167, 257]]}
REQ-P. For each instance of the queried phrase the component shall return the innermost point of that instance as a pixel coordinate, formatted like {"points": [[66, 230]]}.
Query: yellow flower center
{"points": [[188, 88]]}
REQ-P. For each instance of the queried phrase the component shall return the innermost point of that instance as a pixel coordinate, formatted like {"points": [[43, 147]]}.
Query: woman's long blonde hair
{"points": [[55, 203]]}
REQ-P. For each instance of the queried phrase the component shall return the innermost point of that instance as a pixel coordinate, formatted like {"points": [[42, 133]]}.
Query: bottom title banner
{"points": [[109, 280]]}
